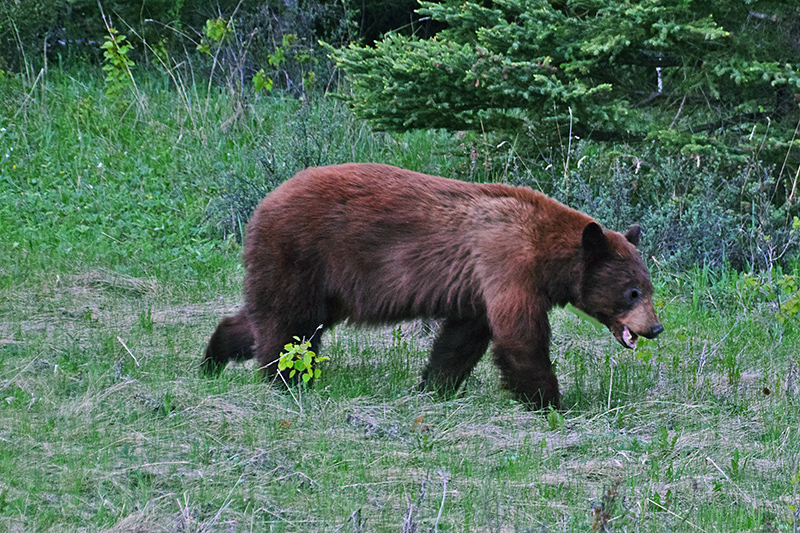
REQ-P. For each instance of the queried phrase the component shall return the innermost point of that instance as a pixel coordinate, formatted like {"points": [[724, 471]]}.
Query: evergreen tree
{"points": [[717, 77]]}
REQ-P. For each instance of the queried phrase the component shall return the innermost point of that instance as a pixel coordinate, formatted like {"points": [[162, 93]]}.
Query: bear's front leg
{"points": [[521, 349], [529, 374]]}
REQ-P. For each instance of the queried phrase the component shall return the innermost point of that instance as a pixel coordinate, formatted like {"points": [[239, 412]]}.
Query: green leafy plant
{"points": [[291, 55], [278, 57], [789, 307], [555, 420], [783, 291], [262, 82], [215, 32], [298, 359], [116, 63]]}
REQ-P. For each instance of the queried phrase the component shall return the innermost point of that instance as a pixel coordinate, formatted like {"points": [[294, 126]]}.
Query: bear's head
{"points": [[616, 287]]}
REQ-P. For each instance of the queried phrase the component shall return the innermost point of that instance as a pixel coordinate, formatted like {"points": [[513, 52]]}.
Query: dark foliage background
{"points": [[67, 29]]}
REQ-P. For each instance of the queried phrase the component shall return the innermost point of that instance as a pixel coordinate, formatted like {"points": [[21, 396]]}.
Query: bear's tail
{"points": [[232, 341]]}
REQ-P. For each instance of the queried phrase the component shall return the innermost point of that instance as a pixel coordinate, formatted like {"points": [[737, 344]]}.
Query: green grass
{"points": [[112, 278], [105, 423], [86, 180]]}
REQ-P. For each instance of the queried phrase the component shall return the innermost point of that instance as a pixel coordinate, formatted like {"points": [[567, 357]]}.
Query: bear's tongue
{"points": [[628, 338]]}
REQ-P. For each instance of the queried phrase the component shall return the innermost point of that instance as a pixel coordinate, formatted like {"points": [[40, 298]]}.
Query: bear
{"points": [[374, 244]]}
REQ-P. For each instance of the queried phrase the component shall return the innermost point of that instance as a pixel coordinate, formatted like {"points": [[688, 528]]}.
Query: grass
{"points": [[105, 424], [85, 180], [113, 276]]}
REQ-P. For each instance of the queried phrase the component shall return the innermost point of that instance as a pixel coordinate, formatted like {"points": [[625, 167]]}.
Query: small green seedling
{"points": [[555, 419], [298, 359]]}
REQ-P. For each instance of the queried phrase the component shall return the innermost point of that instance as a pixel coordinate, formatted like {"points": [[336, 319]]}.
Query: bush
{"points": [[71, 31], [74, 29], [693, 213], [275, 45]]}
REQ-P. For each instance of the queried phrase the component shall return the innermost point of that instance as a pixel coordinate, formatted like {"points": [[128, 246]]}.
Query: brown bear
{"points": [[375, 244]]}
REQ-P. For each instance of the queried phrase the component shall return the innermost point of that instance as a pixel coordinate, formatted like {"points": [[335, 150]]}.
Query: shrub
{"points": [[694, 213], [300, 360]]}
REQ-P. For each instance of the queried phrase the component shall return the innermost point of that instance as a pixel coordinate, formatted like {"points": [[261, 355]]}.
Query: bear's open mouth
{"points": [[628, 338]]}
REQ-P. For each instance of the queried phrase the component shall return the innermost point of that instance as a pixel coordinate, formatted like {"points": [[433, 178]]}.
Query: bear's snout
{"points": [[653, 332], [641, 321]]}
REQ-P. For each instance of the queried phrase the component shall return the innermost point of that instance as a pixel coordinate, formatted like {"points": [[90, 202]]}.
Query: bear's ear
{"points": [[633, 234], [593, 240]]}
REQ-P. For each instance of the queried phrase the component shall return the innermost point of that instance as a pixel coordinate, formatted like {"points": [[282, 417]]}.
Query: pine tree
{"points": [[717, 77]]}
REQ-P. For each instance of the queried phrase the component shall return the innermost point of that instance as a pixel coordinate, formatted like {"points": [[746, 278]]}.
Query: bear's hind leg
{"points": [[458, 347], [232, 341]]}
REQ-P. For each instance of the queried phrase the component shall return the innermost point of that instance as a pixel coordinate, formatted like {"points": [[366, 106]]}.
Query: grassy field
{"points": [[116, 266]]}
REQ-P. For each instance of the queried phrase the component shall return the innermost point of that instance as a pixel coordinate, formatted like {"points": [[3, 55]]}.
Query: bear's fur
{"points": [[375, 244]]}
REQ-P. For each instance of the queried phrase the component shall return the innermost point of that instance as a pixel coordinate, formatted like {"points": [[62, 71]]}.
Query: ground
{"points": [[102, 409]]}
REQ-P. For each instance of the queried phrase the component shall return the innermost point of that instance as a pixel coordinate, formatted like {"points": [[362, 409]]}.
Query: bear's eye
{"points": [[633, 295]]}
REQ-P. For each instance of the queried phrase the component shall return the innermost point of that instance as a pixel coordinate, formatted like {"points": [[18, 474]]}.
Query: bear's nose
{"points": [[654, 331]]}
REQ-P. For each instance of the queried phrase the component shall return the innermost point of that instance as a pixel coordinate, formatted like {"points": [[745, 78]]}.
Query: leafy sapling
{"points": [[298, 359]]}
